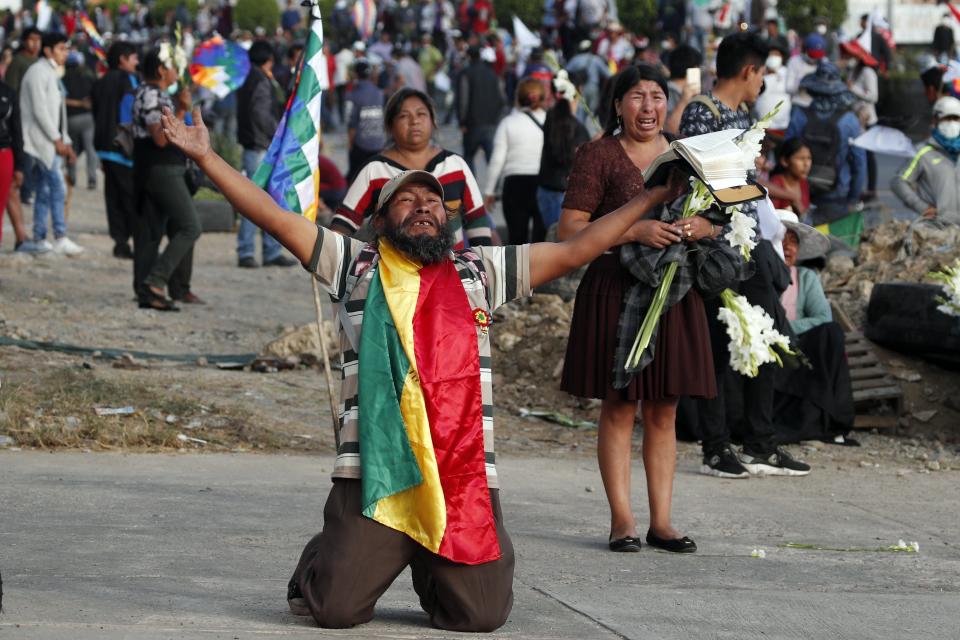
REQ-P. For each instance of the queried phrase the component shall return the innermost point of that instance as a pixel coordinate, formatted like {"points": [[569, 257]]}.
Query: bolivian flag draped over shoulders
{"points": [[421, 412], [290, 172]]}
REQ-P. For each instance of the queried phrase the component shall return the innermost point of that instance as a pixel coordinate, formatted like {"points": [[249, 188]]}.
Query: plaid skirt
{"points": [[683, 360]]}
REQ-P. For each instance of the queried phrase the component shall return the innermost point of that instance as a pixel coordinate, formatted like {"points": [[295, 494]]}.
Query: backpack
{"points": [[823, 139]]}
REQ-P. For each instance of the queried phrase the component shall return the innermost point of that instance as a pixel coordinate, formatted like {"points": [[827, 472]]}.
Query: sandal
{"points": [[626, 544], [156, 301]]}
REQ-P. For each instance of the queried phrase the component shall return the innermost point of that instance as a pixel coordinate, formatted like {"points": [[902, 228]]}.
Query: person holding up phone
{"points": [[684, 83]]}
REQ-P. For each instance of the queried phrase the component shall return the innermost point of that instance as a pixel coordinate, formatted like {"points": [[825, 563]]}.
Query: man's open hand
{"points": [[193, 141]]}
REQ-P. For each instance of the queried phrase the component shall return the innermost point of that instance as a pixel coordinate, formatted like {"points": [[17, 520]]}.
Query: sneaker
{"points": [[247, 263], [29, 246], [776, 463], [280, 261], [67, 247], [723, 464]]}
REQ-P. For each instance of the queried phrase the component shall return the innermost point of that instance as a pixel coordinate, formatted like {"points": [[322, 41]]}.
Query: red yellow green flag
{"points": [[421, 412]]}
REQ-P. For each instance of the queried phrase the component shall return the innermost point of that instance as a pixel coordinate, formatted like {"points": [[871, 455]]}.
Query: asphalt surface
{"points": [[112, 546]]}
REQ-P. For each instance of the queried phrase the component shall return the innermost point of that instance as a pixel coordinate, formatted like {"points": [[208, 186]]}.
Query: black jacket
{"points": [[10, 133], [258, 111], [111, 94], [480, 101]]}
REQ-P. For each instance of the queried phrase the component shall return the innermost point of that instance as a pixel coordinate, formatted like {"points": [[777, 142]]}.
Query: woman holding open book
{"points": [[606, 174]]}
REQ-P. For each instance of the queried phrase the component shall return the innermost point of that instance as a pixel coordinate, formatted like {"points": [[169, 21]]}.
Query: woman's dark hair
{"points": [[622, 83], [785, 151], [559, 138], [395, 103], [119, 49], [150, 65]]}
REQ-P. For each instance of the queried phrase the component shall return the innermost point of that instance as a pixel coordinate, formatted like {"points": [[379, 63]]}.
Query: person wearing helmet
{"points": [[929, 182]]}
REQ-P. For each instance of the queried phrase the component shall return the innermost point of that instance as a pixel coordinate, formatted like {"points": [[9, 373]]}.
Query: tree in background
{"points": [[800, 14], [250, 14]]}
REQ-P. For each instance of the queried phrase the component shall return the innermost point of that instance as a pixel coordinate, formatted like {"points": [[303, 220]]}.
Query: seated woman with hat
{"points": [[812, 402]]}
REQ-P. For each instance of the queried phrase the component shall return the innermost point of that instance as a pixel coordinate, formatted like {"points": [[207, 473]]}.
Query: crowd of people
{"points": [[567, 119]]}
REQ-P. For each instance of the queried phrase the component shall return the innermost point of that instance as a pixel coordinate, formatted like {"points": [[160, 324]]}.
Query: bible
{"points": [[715, 159]]}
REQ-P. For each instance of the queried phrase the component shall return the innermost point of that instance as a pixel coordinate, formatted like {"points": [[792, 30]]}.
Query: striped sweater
{"points": [[471, 226]]}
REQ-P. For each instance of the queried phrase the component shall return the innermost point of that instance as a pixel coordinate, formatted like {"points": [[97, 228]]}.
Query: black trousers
{"points": [[118, 195], [755, 395], [520, 207], [476, 138]]}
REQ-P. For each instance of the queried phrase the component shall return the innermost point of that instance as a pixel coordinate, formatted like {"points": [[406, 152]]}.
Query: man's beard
{"points": [[423, 247]]}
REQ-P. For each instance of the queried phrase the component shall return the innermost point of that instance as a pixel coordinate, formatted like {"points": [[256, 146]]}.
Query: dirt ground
{"points": [[47, 398]]}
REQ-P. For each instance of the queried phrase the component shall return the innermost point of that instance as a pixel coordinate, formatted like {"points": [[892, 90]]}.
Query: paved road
{"points": [[144, 547]]}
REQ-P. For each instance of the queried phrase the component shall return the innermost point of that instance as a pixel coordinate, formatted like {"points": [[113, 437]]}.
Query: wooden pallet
{"points": [[871, 383]]}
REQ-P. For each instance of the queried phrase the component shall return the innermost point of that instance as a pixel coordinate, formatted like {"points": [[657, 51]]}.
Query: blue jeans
{"points": [[49, 197], [246, 237], [550, 203]]}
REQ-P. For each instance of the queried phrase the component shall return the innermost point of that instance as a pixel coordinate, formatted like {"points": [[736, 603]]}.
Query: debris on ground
{"points": [[891, 252], [303, 343]]}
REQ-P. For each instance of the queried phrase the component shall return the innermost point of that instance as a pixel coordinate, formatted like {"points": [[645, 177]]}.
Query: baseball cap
{"points": [[815, 46], [405, 178], [946, 106]]}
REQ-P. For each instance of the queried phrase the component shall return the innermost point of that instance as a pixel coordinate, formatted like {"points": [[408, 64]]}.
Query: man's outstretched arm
{"points": [[296, 233], [549, 260]]}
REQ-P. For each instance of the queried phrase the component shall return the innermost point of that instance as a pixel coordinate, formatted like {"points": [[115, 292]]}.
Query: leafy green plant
{"points": [[161, 7], [530, 11], [638, 16]]}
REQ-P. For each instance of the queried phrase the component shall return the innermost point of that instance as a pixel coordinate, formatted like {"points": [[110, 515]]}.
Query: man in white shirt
{"points": [[814, 49], [44, 120]]}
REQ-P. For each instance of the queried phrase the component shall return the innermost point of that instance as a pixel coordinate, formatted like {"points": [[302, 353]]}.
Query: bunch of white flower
{"points": [[741, 234], [753, 338], [950, 279], [758, 553]]}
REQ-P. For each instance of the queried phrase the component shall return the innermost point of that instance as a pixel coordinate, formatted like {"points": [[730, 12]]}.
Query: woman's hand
{"points": [[193, 141], [695, 228], [654, 233]]}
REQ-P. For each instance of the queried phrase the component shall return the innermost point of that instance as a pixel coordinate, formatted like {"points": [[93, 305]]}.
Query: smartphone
{"points": [[693, 79]]}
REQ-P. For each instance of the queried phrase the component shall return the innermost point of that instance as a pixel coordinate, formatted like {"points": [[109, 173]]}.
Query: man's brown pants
{"points": [[345, 569]]}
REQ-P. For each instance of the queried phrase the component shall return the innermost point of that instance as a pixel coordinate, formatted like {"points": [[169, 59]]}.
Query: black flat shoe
{"points": [[677, 545], [626, 544]]}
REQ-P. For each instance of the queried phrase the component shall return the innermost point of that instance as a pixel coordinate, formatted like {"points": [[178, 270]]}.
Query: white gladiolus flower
{"points": [[758, 553], [949, 278], [741, 235], [915, 546], [751, 140], [700, 198], [753, 338]]}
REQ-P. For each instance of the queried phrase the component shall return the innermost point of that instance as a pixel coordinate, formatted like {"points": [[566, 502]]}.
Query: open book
{"points": [[716, 159]]}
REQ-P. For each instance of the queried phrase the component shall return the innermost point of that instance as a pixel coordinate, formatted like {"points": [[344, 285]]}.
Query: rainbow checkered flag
{"points": [[290, 171], [96, 41]]}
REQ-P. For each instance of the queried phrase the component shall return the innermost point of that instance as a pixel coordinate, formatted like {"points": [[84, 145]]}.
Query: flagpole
{"points": [[317, 304]]}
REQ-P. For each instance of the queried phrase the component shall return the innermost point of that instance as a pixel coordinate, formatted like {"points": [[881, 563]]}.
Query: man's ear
{"points": [[377, 222]]}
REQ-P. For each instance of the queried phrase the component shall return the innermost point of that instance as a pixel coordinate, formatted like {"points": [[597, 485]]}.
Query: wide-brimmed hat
{"points": [[405, 178], [825, 81], [855, 49], [813, 244]]}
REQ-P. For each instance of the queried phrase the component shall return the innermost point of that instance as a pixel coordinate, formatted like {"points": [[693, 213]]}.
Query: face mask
{"points": [[774, 63], [822, 29], [172, 89], [949, 128]]}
